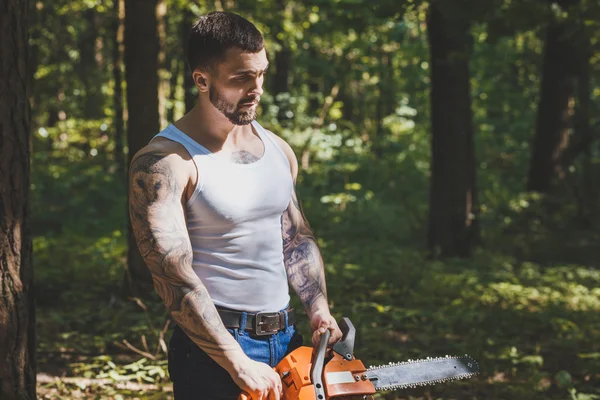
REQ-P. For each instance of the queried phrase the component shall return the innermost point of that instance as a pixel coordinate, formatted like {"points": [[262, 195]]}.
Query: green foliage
{"points": [[357, 113]]}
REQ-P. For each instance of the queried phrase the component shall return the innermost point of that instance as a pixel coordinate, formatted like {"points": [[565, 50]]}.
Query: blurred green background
{"points": [[351, 90]]}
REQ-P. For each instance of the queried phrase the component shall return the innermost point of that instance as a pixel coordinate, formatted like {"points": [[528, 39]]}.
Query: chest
{"points": [[235, 194], [239, 150]]}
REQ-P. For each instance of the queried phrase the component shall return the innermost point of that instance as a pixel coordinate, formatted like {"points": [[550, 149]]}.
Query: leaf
{"points": [[563, 379]]}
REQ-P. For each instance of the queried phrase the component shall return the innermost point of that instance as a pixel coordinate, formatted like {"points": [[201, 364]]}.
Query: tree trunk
{"points": [[283, 56], [283, 60], [452, 228], [279, 82], [555, 109], [118, 30], [583, 137], [385, 101], [17, 314], [584, 131], [141, 72], [190, 96], [315, 80], [176, 71], [88, 68], [163, 80], [191, 92]]}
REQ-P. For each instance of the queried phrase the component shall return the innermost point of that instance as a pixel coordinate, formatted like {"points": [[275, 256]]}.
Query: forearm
{"points": [[199, 319], [190, 304], [305, 271]]}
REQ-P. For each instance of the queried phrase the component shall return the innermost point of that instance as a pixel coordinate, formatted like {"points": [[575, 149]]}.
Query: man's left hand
{"points": [[319, 322]]}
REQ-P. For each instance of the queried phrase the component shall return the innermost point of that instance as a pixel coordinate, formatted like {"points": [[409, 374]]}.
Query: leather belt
{"points": [[261, 323]]}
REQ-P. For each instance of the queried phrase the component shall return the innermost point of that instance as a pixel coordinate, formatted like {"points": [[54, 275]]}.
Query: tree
{"points": [[117, 55], [283, 55], [189, 88], [452, 227], [17, 317], [141, 66], [555, 108]]}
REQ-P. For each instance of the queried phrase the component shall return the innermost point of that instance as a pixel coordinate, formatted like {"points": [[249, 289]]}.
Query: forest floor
{"points": [[534, 330]]}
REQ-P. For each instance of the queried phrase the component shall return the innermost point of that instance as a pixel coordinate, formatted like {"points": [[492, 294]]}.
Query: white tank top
{"points": [[234, 222]]}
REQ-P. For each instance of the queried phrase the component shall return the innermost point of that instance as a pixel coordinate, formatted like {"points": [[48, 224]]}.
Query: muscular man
{"points": [[217, 220]]}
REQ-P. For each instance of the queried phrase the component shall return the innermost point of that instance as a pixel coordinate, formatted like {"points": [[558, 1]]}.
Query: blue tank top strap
{"points": [[171, 132]]}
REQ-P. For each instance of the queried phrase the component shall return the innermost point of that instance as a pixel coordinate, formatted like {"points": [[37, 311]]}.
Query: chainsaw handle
{"points": [[317, 364]]}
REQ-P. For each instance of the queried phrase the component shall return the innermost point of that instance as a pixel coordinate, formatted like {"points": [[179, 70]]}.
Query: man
{"points": [[217, 220]]}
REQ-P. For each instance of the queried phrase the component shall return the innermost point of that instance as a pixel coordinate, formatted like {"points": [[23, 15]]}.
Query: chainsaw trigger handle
{"points": [[345, 347]]}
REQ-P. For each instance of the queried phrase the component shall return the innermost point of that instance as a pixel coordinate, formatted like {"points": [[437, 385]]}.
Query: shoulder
{"points": [[288, 151], [160, 152], [164, 157]]}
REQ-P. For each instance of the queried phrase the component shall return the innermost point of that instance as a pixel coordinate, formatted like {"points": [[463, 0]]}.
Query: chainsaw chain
{"points": [[425, 383]]}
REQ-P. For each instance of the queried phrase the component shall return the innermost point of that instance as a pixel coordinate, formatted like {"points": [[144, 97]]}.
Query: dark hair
{"points": [[216, 32]]}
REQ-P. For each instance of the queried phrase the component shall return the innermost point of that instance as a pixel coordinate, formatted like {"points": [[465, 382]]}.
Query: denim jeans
{"points": [[196, 376]]}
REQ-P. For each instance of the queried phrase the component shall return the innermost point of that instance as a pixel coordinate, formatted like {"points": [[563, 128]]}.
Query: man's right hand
{"points": [[258, 380]]}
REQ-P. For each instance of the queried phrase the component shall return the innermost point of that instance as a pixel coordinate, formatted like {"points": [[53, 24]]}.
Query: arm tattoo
{"points": [[302, 257], [158, 222]]}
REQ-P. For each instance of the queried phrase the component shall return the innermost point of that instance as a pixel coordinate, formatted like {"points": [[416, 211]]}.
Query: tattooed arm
{"points": [[303, 262], [158, 178]]}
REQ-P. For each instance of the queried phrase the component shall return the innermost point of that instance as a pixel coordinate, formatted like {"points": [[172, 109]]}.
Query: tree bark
{"points": [[452, 204], [17, 315], [554, 111], [280, 79], [118, 31], [177, 66], [385, 100], [583, 137], [141, 72], [190, 96], [283, 56], [163, 80], [583, 128], [283, 59], [88, 68]]}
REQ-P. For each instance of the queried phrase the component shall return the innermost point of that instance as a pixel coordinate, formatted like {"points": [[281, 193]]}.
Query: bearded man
{"points": [[216, 217]]}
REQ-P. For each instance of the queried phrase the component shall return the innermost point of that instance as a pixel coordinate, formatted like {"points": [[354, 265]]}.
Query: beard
{"points": [[232, 111]]}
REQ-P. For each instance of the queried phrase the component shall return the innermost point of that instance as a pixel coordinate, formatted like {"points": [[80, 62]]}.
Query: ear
{"points": [[200, 80]]}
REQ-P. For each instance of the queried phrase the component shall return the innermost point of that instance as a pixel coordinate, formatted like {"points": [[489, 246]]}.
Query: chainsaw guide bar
{"points": [[414, 373]]}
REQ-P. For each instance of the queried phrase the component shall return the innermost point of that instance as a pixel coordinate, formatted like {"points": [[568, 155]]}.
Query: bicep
{"points": [[158, 223], [293, 221]]}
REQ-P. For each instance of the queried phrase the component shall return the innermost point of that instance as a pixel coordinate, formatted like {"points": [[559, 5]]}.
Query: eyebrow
{"points": [[249, 71]]}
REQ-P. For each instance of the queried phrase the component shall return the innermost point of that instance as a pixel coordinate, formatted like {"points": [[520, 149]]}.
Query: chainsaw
{"points": [[328, 373]]}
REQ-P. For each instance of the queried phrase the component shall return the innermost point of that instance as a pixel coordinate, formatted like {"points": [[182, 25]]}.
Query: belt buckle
{"points": [[266, 323]]}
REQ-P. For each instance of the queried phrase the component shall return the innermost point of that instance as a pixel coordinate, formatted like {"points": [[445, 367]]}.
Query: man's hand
{"points": [[257, 380], [319, 322]]}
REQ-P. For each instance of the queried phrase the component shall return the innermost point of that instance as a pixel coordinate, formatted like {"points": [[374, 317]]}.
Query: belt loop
{"points": [[243, 318], [285, 319]]}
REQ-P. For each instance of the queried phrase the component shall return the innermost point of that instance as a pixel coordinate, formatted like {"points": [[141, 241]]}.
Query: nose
{"points": [[257, 87]]}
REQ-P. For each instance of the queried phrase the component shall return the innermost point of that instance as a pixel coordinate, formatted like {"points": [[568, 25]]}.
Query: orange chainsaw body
{"points": [[325, 373], [341, 378]]}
